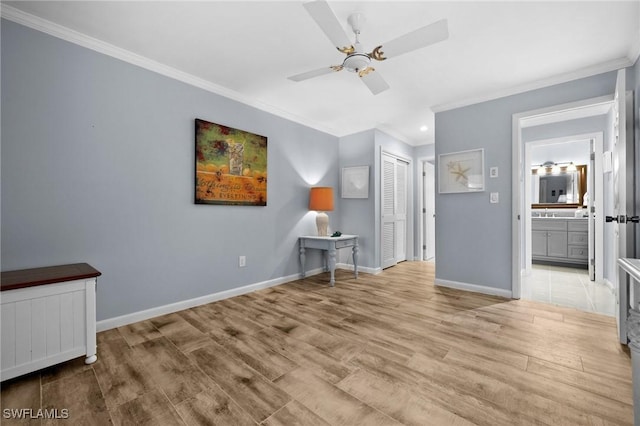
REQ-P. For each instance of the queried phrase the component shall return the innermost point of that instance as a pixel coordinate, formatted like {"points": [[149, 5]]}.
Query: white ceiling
{"points": [[246, 50]]}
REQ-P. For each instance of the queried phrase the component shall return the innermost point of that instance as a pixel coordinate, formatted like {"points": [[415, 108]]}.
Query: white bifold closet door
{"points": [[394, 210]]}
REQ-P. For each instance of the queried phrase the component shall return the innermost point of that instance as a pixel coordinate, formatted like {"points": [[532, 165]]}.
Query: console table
{"points": [[48, 316], [330, 246]]}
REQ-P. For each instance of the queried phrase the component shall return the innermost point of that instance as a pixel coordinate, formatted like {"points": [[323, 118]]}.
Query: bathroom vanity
{"points": [[560, 240]]}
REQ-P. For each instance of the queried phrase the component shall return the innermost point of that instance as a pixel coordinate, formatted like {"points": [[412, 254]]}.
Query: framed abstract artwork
{"points": [[461, 171], [231, 166], [355, 182]]}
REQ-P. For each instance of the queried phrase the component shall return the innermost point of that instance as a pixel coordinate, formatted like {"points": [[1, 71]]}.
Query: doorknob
{"points": [[623, 219]]}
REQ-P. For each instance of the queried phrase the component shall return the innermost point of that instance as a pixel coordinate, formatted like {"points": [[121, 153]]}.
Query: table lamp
{"points": [[321, 200]]}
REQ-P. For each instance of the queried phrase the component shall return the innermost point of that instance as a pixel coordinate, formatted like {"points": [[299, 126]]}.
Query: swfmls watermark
{"points": [[30, 413]]}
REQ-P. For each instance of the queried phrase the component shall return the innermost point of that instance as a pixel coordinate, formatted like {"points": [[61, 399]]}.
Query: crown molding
{"points": [[602, 68], [395, 134], [67, 34]]}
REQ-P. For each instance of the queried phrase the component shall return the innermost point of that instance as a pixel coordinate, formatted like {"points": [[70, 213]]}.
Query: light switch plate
{"points": [[493, 172], [494, 197]]}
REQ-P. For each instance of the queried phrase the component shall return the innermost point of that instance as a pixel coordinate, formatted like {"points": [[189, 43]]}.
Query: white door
{"points": [[591, 221], [429, 212], [623, 204], [394, 210]]}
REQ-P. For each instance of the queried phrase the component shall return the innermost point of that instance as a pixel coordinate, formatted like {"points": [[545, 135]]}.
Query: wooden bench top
{"points": [[22, 278]]}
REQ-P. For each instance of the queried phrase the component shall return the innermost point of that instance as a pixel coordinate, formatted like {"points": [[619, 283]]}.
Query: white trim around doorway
{"points": [[551, 114]]}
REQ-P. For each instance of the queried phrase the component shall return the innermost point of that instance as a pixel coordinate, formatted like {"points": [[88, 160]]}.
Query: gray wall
{"points": [[98, 165], [425, 151], [473, 237], [561, 129], [358, 213]]}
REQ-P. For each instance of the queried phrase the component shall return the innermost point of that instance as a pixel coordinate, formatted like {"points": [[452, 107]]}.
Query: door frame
{"points": [[551, 114]]}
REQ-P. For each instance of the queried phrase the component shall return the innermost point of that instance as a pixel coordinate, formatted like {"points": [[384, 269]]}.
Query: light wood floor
{"points": [[379, 350]]}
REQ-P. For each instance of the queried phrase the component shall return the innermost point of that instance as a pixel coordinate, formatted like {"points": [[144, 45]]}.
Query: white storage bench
{"points": [[48, 315]]}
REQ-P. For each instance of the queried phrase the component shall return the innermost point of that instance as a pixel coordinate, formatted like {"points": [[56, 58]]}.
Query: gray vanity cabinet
{"points": [[559, 240]]}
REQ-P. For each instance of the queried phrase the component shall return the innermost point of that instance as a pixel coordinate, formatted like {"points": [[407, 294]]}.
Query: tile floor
{"points": [[566, 286]]}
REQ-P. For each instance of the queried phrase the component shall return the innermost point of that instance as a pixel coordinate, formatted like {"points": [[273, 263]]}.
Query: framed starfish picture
{"points": [[461, 171]]}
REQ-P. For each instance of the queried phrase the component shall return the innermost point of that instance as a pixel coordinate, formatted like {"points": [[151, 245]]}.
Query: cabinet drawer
{"points": [[578, 252], [549, 224], [578, 225], [578, 238], [345, 243]]}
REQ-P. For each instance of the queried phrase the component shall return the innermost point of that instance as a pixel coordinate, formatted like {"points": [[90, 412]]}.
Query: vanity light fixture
{"points": [[549, 167], [543, 169]]}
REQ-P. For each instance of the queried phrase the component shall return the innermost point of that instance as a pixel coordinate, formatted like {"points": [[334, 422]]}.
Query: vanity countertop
{"points": [[559, 217]]}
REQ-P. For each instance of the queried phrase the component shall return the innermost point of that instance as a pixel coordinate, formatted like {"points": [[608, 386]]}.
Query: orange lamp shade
{"points": [[321, 199]]}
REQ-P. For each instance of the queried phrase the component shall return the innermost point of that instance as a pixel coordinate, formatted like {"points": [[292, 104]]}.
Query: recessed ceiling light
{"points": [[424, 128]]}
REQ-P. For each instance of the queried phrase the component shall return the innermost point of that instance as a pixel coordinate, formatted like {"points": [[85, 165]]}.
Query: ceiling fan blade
{"points": [[315, 73], [422, 37], [327, 21], [373, 80]]}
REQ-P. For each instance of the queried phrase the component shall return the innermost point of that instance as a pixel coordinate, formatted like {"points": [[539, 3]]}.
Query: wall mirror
{"points": [[558, 189]]}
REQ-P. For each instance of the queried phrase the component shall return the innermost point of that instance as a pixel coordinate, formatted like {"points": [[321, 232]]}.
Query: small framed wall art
{"points": [[461, 171], [231, 166], [355, 182]]}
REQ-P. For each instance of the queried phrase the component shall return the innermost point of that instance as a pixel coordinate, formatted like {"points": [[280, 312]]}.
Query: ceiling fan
{"points": [[357, 59]]}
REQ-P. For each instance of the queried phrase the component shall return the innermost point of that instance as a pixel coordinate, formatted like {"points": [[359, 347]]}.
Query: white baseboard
{"points": [[348, 267], [474, 288], [115, 322], [609, 284]]}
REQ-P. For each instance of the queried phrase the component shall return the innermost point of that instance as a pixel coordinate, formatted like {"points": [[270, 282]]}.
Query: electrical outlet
{"points": [[242, 261], [494, 197]]}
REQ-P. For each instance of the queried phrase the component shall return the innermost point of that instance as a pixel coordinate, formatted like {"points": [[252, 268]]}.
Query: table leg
{"points": [[332, 264], [302, 259], [90, 311], [355, 258]]}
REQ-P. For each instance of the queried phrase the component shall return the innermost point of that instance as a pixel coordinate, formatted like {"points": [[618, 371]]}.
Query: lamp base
{"points": [[322, 222]]}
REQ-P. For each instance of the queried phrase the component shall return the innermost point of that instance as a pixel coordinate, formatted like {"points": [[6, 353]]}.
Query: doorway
{"points": [[572, 273], [428, 222], [583, 197], [521, 224]]}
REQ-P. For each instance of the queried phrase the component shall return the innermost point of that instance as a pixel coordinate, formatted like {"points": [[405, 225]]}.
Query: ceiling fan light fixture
{"points": [[356, 62]]}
